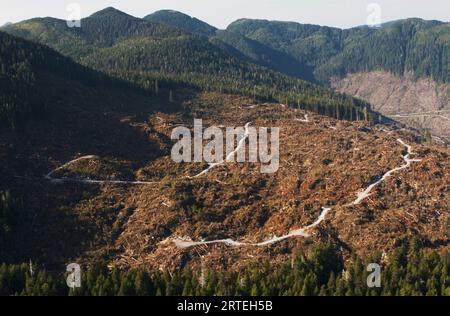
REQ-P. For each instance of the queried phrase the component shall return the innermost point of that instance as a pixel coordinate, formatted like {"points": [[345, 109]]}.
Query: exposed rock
{"points": [[420, 104]]}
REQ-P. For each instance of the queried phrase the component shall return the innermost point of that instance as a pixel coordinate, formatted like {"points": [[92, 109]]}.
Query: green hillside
{"points": [[256, 52], [150, 53], [181, 21], [23, 66], [415, 45], [235, 44], [194, 60], [101, 29]]}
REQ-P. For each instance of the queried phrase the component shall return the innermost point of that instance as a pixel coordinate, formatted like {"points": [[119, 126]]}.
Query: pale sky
{"points": [[338, 13]]}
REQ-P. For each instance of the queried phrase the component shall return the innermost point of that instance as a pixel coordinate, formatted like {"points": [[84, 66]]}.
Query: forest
{"points": [[152, 54], [411, 45], [24, 67], [192, 60], [320, 272]]}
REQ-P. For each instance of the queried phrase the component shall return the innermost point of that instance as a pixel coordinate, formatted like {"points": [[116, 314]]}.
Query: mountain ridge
{"points": [[182, 21], [114, 45], [309, 44]]}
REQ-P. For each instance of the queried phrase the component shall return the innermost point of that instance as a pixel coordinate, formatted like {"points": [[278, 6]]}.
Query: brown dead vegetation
{"points": [[322, 163]]}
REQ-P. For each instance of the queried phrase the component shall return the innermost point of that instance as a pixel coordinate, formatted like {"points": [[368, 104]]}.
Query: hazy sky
{"points": [[339, 13]]}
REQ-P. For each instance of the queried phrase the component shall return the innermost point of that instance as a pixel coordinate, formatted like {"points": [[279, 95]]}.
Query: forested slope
{"points": [[149, 53], [411, 45], [101, 29], [23, 86], [181, 21], [196, 61]]}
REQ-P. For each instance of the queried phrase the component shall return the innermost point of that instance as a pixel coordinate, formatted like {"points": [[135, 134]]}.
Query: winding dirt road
{"points": [[187, 242], [229, 156], [304, 120], [366, 193], [52, 179]]}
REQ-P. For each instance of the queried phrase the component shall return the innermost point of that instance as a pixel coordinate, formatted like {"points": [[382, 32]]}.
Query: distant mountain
{"points": [[311, 52], [147, 53], [256, 52], [412, 45], [401, 67], [181, 21], [310, 44], [235, 44], [101, 29]]}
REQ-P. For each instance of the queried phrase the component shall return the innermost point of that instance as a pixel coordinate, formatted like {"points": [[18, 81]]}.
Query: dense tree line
{"points": [[256, 52], [193, 60], [23, 65], [108, 26], [412, 45], [19, 97], [181, 21], [407, 271], [102, 29], [151, 54], [12, 214]]}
